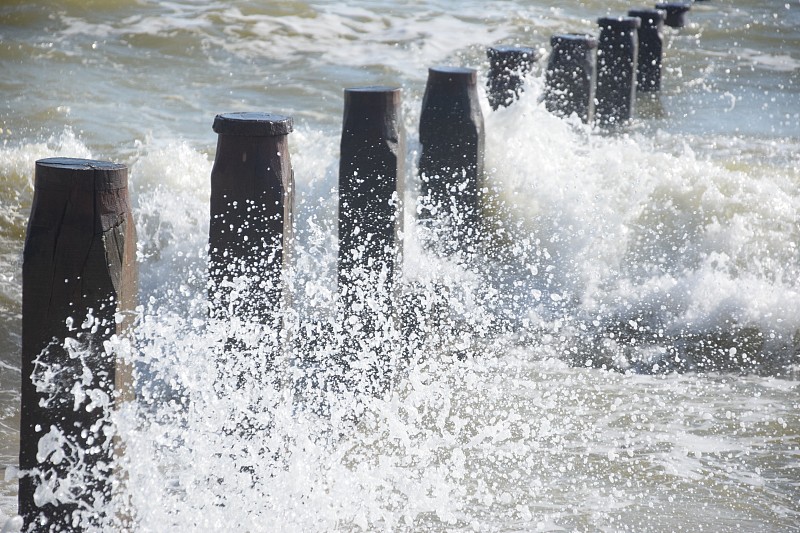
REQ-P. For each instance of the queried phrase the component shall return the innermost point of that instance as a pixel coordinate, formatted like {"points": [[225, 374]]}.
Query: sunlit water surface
{"points": [[622, 357]]}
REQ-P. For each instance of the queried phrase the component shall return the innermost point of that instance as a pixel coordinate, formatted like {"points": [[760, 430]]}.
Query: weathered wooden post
{"points": [[371, 188], [648, 70], [451, 161], [617, 54], [78, 290], [569, 80], [508, 66], [252, 191], [676, 12]]}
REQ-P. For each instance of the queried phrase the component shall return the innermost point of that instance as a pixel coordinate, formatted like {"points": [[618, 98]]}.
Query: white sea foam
{"points": [[639, 251]]}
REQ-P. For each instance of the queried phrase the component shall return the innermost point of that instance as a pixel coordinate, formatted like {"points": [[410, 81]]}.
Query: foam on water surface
{"points": [[512, 435]]}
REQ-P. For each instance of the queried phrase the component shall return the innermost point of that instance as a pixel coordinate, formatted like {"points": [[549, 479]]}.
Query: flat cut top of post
{"points": [[373, 95], [651, 18], [512, 52], [373, 89], [675, 13], [253, 124], [574, 39], [454, 74], [65, 173], [674, 8], [619, 23]]}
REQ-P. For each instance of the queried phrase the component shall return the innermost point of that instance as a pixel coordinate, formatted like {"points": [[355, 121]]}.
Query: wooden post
{"points": [[508, 65], [451, 163], [617, 54], [569, 80], [78, 282], [648, 71], [676, 12], [371, 188], [252, 190]]}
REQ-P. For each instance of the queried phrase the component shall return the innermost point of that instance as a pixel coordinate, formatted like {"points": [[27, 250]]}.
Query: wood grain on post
{"points": [[451, 133], [371, 189], [250, 231], [79, 281]]}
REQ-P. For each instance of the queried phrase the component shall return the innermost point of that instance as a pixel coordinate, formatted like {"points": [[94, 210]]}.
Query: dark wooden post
{"points": [[508, 66], [451, 161], [371, 188], [648, 71], [676, 12], [617, 54], [78, 282], [252, 190], [569, 80]]}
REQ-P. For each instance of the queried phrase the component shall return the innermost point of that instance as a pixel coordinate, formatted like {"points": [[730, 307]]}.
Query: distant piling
{"points": [[508, 66], [617, 54], [675, 13], [570, 76], [371, 190], [451, 133], [78, 282], [648, 64], [252, 191]]}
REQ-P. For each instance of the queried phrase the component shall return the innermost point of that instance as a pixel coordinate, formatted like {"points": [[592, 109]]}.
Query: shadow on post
{"points": [[569, 80], [648, 65], [675, 13], [78, 291], [617, 52], [371, 189], [252, 188], [508, 66], [451, 133]]}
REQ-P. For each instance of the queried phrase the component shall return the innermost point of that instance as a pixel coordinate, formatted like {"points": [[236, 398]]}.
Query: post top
{"points": [[674, 7], [619, 23], [502, 51], [67, 173], [453, 74], [675, 13], [650, 18], [253, 124], [574, 39], [71, 163], [373, 89], [373, 96]]}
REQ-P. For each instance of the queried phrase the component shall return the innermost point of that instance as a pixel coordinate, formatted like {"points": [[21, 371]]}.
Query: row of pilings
{"points": [[595, 78], [79, 265]]}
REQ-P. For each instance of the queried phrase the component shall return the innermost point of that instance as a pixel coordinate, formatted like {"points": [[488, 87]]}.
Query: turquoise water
{"points": [[628, 257]]}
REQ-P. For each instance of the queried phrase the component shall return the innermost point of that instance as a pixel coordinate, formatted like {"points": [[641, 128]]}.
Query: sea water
{"points": [[622, 357]]}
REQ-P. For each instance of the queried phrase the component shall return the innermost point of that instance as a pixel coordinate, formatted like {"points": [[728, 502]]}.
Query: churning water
{"points": [[622, 354]]}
